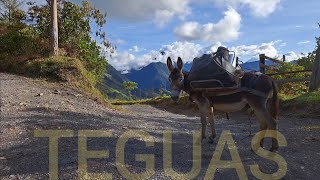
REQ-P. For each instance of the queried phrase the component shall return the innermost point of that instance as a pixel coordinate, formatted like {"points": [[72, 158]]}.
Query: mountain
{"points": [[187, 67], [254, 65], [112, 85], [152, 77]]}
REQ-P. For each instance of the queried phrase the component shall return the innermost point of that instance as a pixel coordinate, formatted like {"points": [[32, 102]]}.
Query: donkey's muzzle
{"points": [[175, 95], [175, 98]]}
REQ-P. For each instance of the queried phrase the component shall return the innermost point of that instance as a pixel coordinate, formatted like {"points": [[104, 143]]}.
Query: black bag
{"points": [[213, 71]]}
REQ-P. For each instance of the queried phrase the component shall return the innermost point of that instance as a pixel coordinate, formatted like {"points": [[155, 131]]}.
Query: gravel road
{"points": [[28, 105]]}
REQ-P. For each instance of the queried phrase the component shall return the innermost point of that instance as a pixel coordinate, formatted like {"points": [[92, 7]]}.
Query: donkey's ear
{"points": [[180, 63], [169, 64]]}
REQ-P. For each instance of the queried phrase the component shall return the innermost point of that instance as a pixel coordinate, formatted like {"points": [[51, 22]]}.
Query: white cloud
{"points": [[186, 50], [136, 49], [271, 49], [160, 11], [226, 29], [162, 17], [260, 8], [120, 41], [291, 56], [253, 51], [303, 42], [125, 61]]}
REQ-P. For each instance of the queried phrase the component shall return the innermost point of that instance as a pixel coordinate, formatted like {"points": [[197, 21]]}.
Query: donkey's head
{"points": [[176, 78]]}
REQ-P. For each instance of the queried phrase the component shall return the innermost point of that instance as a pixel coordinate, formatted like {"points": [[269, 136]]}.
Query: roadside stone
{"points": [[78, 95], [22, 104], [39, 95], [56, 91]]}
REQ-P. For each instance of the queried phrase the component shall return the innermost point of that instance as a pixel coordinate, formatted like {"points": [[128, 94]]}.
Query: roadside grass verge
{"points": [[306, 105], [70, 71], [184, 106], [305, 99]]}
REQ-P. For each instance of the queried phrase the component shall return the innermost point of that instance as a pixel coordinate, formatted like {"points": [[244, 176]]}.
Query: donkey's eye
{"points": [[180, 80], [170, 79]]}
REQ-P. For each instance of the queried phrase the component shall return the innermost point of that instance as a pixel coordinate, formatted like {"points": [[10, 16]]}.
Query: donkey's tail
{"points": [[275, 102]]}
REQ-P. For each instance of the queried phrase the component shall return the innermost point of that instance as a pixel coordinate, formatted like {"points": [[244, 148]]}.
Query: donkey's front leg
{"points": [[204, 126], [211, 121]]}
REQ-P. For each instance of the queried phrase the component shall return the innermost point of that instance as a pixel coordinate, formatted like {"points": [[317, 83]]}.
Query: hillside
{"points": [[112, 84]]}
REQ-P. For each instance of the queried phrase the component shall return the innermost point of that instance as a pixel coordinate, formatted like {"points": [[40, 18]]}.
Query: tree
{"points": [[130, 86], [307, 61], [10, 11], [54, 28], [75, 33], [315, 78]]}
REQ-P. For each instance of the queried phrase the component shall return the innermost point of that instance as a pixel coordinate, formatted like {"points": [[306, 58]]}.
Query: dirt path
{"points": [[28, 105]]}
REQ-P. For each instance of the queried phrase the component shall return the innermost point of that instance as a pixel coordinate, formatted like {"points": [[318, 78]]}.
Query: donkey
{"points": [[229, 103]]}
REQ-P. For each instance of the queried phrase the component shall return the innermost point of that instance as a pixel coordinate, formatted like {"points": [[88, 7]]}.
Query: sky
{"points": [[141, 29]]}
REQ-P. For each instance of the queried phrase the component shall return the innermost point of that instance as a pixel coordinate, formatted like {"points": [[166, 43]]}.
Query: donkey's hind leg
{"points": [[265, 119], [263, 128], [212, 126]]}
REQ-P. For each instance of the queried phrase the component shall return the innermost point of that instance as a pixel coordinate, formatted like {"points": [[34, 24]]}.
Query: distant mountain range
{"points": [[153, 76], [151, 79]]}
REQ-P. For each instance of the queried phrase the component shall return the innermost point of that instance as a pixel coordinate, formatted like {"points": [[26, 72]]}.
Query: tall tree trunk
{"points": [[315, 79], [54, 29]]}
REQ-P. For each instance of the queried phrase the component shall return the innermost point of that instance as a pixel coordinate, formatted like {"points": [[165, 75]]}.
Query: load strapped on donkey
{"points": [[215, 74]]}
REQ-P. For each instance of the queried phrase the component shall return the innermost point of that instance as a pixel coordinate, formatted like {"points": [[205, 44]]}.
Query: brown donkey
{"points": [[230, 103]]}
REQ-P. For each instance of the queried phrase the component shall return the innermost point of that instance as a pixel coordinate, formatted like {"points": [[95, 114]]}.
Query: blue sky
{"points": [[188, 28]]}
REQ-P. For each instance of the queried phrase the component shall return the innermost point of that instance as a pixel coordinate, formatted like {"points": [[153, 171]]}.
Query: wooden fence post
{"points": [[315, 78], [262, 58], [284, 58]]}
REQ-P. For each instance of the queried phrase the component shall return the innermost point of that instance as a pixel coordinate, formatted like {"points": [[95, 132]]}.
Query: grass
{"points": [[141, 101], [305, 105], [184, 106], [304, 99], [63, 69]]}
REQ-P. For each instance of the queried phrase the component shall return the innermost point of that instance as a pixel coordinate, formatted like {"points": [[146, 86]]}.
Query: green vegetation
{"points": [[130, 86], [10, 11], [25, 46], [306, 105], [292, 88], [305, 99], [165, 101], [308, 61]]}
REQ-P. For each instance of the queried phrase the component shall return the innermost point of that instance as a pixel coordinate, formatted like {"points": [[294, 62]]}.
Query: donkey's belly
{"points": [[230, 106]]}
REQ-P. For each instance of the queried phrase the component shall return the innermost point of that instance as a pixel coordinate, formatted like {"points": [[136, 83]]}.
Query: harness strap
{"points": [[254, 92]]}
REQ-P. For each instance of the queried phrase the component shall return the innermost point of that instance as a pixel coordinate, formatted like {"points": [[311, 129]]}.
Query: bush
{"points": [[292, 88], [22, 42]]}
